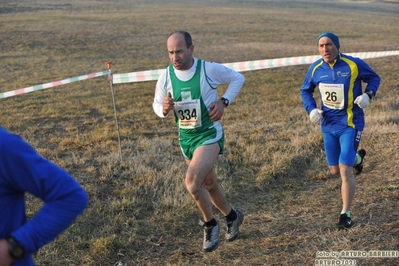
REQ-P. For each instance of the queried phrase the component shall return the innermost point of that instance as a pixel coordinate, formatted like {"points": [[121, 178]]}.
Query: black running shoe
{"points": [[344, 221], [358, 168]]}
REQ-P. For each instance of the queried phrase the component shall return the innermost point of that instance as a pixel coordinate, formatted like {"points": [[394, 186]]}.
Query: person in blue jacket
{"points": [[23, 170], [339, 78]]}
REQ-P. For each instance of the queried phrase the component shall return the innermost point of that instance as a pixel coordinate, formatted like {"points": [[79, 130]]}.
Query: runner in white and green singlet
{"points": [[188, 87]]}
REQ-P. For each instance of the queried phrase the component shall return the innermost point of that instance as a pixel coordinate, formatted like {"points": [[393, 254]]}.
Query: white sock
{"points": [[358, 159], [348, 213]]}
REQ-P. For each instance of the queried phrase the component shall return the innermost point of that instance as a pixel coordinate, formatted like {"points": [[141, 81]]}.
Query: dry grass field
{"points": [[274, 168]]}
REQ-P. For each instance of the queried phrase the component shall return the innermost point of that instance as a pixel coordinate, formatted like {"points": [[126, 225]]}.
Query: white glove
{"points": [[363, 100], [316, 115]]}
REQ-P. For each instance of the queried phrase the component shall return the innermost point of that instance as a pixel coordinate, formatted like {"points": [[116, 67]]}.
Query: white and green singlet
{"points": [[193, 91]]}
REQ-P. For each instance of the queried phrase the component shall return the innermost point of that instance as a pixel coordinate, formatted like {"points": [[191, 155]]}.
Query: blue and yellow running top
{"points": [[339, 84]]}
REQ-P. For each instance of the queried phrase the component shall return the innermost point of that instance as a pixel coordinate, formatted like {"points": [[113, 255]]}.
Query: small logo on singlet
{"points": [[342, 74]]}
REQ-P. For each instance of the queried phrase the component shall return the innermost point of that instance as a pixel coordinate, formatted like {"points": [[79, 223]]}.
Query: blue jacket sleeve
{"points": [[369, 76], [63, 198], [307, 90]]}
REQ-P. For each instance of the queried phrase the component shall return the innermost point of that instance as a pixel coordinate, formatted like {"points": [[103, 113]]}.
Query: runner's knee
{"points": [[334, 169]]}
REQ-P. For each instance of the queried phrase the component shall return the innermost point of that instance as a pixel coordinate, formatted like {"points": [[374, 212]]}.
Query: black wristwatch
{"points": [[225, 101], [15, 249], [370, 94]]}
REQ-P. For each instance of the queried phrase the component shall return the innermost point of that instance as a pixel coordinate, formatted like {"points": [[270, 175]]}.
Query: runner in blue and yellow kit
{"points": [[189, 88], [339, 79]]}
